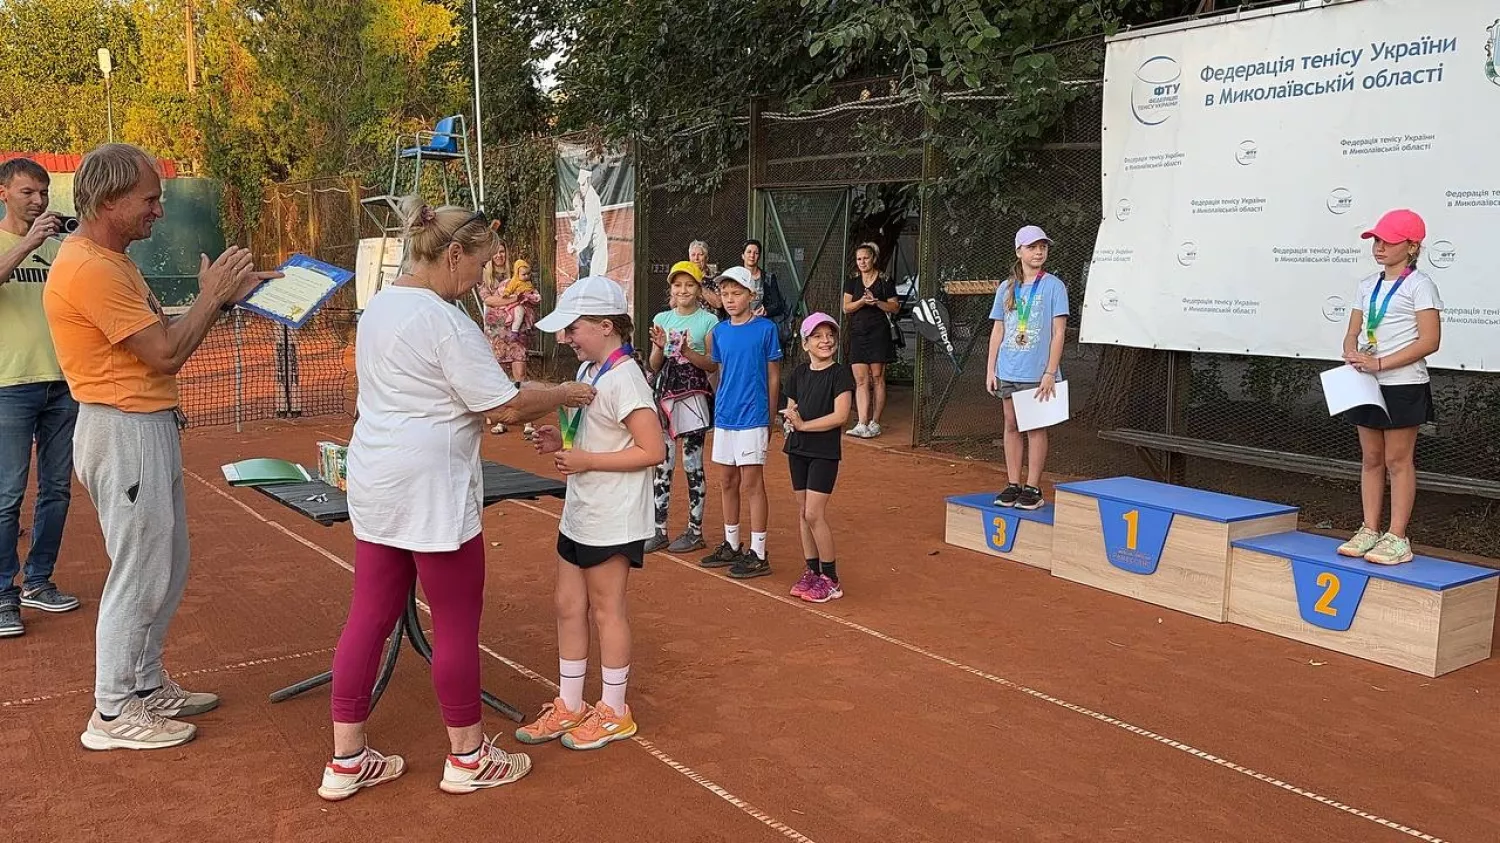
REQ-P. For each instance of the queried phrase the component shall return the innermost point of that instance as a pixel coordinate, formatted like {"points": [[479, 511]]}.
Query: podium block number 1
{"points": [[1134, 535]]}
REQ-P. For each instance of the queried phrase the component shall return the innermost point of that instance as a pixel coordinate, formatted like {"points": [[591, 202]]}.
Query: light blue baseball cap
{"points": [[1030, 234]]}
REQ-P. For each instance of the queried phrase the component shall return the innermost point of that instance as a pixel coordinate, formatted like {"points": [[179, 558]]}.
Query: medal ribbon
{"points": [[1374, 317], [567, 423], [1023, 309]]}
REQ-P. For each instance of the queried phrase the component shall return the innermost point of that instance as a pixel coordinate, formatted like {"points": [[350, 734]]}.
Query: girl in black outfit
{"points": [[869, 300]]}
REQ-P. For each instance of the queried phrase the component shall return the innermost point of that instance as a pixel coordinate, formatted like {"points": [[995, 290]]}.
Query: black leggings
{"points": [[813, 474]]}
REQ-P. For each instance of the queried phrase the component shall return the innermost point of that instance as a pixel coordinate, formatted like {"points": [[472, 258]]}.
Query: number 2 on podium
{"points": [[1132, 528], [1329, 582], [998, 538]]}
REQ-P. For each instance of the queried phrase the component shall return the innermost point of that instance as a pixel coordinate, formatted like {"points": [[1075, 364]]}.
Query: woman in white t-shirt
{"points": [[426, 380], [1394, 326], [608, 451]]}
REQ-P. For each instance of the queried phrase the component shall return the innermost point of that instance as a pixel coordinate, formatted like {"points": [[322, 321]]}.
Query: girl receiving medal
{"points": [[608, 452], [1394, 326], [1026, 343]]}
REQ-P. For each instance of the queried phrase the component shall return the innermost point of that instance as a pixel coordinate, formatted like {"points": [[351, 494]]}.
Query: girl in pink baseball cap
{"points": [[1395, 324]]}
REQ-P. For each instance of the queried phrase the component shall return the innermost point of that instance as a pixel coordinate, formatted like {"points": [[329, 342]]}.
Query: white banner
{"points": [[1243, 158]]}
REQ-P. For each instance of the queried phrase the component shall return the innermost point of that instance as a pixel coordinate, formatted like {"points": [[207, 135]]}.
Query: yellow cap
{"points": [[689, 267]]}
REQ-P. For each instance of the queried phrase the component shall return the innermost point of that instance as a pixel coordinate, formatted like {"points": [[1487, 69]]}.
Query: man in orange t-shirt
{"points": [[120, 355]]}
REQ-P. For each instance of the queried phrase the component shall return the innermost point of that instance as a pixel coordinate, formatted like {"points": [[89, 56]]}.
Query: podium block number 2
{"points": [[1327, 598], [1134, 535], [1329, 582]]}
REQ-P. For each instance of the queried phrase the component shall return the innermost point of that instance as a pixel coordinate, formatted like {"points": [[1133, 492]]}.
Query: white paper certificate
{"points": [[1347, 387], [1032, 414], [292, 296]]}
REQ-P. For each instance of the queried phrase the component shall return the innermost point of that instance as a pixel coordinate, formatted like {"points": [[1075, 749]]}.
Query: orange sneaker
{"points": [[554, 722], [602, 726]]}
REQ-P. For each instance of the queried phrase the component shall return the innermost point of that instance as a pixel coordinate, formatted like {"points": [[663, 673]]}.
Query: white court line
{"points": [[1047, 698], [696, 778], [200, 672]]}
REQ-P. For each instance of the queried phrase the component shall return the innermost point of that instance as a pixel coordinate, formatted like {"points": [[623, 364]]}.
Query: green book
{"points": [[264, 472]]}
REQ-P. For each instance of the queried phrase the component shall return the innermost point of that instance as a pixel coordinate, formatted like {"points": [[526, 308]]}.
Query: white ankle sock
{"points": [[732, 535], [572, 672], [470, 758], [353, 762], [758, 544], [614, 686]]}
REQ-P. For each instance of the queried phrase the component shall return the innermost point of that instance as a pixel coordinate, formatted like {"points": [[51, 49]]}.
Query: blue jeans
{"points": [[43, 413]]}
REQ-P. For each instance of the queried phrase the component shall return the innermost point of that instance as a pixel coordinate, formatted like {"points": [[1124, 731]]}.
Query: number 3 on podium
{"points": [[1132, 528], [997, 538], [1329, 582]]}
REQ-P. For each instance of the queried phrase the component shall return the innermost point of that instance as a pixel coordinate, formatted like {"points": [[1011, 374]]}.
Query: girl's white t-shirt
{"points": [[607, 508], [426, 377], [1399, 327]]}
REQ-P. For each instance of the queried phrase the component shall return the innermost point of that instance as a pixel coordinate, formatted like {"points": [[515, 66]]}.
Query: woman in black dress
{"points": [[868, 299]]}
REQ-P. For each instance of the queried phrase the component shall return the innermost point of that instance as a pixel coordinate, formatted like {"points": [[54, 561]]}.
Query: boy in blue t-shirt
{"points": [[748, 352]]}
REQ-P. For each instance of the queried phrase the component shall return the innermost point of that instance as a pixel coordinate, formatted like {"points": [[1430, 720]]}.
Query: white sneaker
{"points": [[135, 728], [494, 768], [373, 769], [872, 430], [859, 431], [170, 700]]}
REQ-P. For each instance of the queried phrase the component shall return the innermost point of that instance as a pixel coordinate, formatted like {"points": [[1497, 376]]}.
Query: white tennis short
{"points": [[741, 447]]}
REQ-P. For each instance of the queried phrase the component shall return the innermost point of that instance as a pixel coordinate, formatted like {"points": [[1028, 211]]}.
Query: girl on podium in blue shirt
{"points": [[1026, 343]]}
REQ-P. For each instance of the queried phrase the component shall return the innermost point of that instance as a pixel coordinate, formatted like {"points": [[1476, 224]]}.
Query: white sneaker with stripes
{"points": [[135, 728], [171, 700], [494, 768], [373, 768]]}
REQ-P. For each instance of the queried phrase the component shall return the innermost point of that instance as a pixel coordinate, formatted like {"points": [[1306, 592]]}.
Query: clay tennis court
{"points": [[950, 696]]}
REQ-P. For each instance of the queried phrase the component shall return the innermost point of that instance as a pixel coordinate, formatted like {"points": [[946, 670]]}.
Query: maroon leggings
{"points": [[453, 583]]}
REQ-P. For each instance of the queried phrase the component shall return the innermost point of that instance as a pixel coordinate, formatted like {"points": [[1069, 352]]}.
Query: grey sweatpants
{"points": [[131, 465]]}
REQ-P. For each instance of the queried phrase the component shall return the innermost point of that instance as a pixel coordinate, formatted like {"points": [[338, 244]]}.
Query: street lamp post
{"points": [[478, 119], [106, 66]]}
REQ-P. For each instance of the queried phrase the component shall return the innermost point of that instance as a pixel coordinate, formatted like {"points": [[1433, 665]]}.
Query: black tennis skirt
{"points": [[1410, 405], [872, 345]]}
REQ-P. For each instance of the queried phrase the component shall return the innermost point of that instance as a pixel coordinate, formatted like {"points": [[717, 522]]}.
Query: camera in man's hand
{"points": [[66, 225]]}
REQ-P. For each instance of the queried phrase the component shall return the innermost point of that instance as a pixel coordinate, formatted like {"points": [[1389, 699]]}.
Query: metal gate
{"points": [[806, 246]]}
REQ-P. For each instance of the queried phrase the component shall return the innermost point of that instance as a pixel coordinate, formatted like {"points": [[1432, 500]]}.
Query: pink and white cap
{"points": [[813, 320]]}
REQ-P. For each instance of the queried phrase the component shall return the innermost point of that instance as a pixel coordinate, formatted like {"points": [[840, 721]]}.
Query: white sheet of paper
{"points": [[293, 295], [1347, 387], [1032, 414]]}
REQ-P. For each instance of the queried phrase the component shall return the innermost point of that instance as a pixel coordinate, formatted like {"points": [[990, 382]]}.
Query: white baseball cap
{"points": [[1030, 234], [741, 276], [595, 295]]}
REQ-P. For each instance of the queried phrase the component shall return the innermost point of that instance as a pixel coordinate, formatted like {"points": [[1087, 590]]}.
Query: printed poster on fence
{"points": [[595, 215], [1243, 157]]}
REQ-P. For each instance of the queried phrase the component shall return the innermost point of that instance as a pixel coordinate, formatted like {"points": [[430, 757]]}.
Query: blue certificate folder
{"points": [[336, 276]]}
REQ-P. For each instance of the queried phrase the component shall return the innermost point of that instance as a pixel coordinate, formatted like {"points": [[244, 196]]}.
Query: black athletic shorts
{"points": [[587, 556], [1410, 405], [812, 474]]}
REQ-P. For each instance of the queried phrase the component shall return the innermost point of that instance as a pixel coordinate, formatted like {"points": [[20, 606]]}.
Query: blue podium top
{"points": [[1425, 572], [1195, 503], [986, 501]]}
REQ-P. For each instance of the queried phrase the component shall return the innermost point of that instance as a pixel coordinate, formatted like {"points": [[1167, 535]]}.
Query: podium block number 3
{"points": [[1000, 531]]}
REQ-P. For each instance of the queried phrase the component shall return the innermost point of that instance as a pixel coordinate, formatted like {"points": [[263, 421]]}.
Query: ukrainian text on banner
{"points": [[1242, 159], [595, 215]]}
